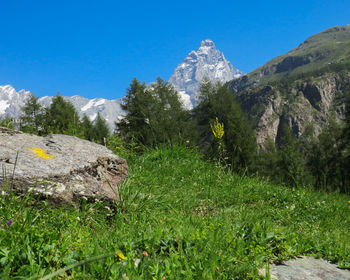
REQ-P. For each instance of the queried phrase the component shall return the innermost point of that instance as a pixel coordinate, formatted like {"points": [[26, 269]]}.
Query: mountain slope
{"points": [[303, 87], [326, 48], [206, 62]]}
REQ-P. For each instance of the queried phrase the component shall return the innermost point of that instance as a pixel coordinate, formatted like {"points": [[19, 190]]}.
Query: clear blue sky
{"points": [[95, 48]]}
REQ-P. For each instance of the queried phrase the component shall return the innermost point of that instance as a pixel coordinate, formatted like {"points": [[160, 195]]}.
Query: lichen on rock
{"points": [[62, 167]]}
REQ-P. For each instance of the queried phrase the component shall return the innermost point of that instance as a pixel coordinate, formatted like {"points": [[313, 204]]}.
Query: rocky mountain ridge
{"points": [[329, 47], [300, 104], [303, 87], [206, 62]]}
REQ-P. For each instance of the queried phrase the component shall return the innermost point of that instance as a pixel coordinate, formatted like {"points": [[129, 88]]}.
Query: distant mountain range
{"points": [[206, 62], [11, 103], [110, 110]]}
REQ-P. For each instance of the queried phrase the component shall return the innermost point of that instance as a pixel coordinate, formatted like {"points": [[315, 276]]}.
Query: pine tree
{"points": [[61, 117], [33, 116], [267, 161], [101, 130], [154, 115], [346, 145], [87, 129], [291, 162], [134, 127], [169, 120]]}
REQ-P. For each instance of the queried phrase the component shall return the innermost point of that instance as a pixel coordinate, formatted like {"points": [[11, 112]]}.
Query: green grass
{"points": [[180, 218]]}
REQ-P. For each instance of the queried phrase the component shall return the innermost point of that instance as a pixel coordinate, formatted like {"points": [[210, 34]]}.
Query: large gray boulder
{"points": [[63, 167]]}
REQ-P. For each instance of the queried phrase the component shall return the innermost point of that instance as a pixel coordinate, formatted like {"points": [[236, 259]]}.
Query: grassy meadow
{"points": [[179, 218]]}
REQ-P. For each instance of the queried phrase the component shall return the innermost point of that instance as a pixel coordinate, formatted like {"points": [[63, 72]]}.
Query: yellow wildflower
{"points": [[217, 129], [121, 256], [40, 153]]}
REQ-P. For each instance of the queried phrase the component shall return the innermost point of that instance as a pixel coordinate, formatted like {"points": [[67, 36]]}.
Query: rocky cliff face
{"points": [[206, 62], [302, 87], [299, 103]]}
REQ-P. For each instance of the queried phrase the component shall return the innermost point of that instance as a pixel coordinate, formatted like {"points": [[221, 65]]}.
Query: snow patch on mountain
{"points": [[207, 62], [93, 117], [92, 103], [4, 104]]}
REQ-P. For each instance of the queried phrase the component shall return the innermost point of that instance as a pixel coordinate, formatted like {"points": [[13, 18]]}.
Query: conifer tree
{"points": [[154, 115], [291, 162], [169, 120], [33, 116], [326, 158], [134, 127], [267, 161], [87, 127], [101, 130], [346, 144], [61, 117]]}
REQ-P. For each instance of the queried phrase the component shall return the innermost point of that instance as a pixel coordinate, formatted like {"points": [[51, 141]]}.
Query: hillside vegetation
{"points": [[179, 218], [324, 49]]}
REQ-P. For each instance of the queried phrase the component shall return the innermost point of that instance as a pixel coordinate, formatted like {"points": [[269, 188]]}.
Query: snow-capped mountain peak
{"points": [[206, 62], [11, 101], [207, 43]]}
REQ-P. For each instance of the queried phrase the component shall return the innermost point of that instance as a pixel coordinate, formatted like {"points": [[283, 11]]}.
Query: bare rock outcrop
{"points": [[62, 167], [306, 268], [298, 103]]}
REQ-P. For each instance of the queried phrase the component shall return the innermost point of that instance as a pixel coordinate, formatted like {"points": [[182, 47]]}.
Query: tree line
{"points": [[61, 117], [217, 127], [154, 116]]}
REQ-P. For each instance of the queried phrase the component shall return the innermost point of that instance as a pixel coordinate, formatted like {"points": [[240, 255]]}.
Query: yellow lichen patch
{"points": [[40, 153]]}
